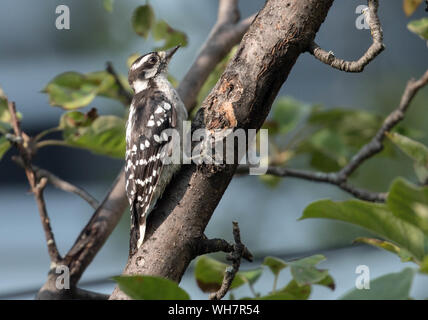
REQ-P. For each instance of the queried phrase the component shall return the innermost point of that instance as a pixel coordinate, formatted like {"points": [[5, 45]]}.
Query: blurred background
{"points": [[33, 52]]}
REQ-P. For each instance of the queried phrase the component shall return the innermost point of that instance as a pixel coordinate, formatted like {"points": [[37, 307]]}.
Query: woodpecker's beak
{"points": [[170, 52]]}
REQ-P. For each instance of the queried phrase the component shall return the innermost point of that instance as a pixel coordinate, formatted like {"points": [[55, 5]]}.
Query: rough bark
{"points": [[242, 98]]}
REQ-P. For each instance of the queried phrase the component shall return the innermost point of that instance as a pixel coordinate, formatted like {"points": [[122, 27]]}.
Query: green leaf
{"points": [[287, 113], [293, 291], [5, 117], [415, 150], [331, 145], [72, 90], [276, 296], [304, 271], [327, 282], [356, 126], [420, 27], [163, 31], [393, 286], [209, 274], [150, 288], [275, 264], [103, 135], [108, 5], [298, 292], [388, 246], [250, 276], [270, 180], [421, 173], [143, 19], [424, 265], [336, 135], [409, 203], [410, 6], [375, 217], [131, 59], [4, 146]]}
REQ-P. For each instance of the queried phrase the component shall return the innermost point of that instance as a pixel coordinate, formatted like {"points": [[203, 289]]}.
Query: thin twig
{"points": [[220, 245], [375, 49], [50, 143], [37, 186], [372, 148], [331, 178], [235, 256], [376, 144], [50, 239], [60, 183]]}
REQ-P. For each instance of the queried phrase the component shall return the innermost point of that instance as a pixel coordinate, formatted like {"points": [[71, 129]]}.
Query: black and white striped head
{"points": [[148, 67]]}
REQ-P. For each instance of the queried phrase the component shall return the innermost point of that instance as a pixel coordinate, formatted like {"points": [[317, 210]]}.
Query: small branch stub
{"points": [[235, 257], [375, 49]]}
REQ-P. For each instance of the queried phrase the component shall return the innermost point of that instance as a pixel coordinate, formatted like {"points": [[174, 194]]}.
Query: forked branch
{"points": [[369, 150], [235, 257]]}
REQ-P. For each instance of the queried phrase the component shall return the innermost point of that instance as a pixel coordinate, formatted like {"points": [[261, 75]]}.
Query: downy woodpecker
{"points": [[155, 108]]}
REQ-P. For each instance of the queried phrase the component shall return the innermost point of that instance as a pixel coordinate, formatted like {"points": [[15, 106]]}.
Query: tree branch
{"points": [[60, 183], [235, 256], [330, 178], [241, 99], [220, 245], [109, 212], [376, 144], [372, 148], [375, 49], [37, 186]]}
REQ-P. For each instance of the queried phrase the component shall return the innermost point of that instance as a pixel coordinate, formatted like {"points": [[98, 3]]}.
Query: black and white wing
{"points": [[150, 115]]}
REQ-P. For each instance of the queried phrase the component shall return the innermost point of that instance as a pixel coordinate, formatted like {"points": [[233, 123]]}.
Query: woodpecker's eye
{"points": [[153, 60]]}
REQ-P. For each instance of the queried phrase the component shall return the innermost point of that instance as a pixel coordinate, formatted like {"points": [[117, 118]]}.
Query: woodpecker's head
{"points": [[148, 67]]}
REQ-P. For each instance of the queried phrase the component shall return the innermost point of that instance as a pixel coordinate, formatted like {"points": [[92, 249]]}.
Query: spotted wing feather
{"points": [[150, 115]]}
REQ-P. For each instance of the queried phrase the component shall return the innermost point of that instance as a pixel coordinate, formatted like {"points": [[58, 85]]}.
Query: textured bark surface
{"points": [[242, 98]]}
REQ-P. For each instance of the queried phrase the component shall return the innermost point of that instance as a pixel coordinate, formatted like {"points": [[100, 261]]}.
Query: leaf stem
{"points": [[46, 132], [275, 281], [252, 290], [47, 143]]}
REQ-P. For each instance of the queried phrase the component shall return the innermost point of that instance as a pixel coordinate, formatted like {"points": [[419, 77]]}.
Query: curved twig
{"points": [[372, 148], [375, 49], [60, 183]]}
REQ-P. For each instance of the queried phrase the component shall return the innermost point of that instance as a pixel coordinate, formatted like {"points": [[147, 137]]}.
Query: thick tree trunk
{"points": [[242, 98]]}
